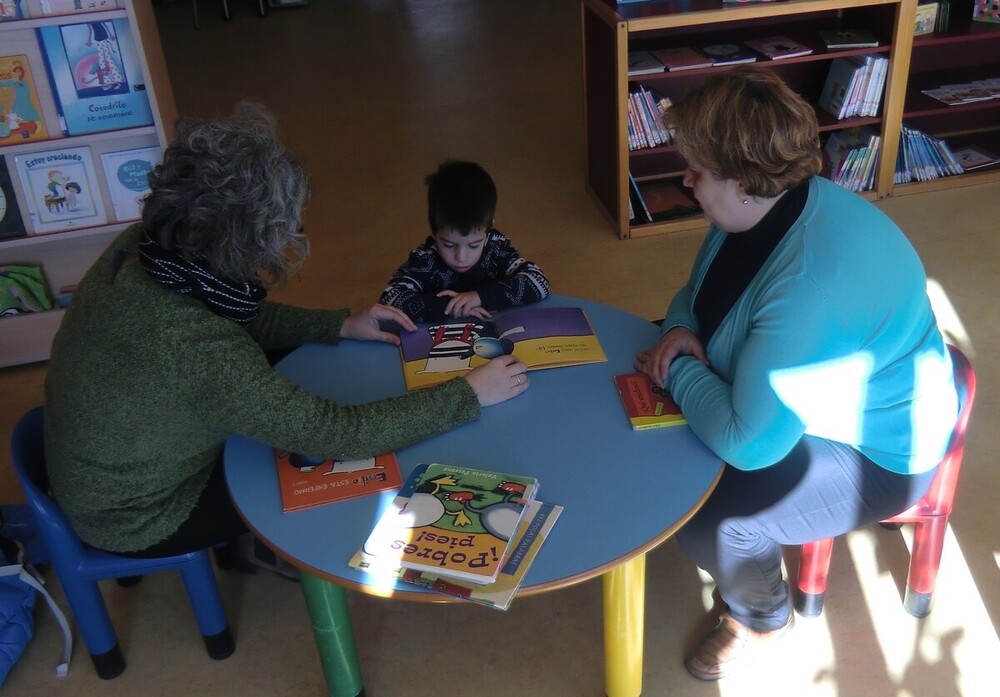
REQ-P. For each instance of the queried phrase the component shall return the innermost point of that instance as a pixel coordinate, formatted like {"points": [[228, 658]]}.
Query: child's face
{"points": [[460, 252]]}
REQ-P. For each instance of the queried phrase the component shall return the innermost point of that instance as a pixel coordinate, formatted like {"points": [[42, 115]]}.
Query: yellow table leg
{"points": [[624, 611]]}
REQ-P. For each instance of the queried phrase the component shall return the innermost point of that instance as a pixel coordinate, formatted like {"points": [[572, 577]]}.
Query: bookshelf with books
{"points": [[69, 123], [611, 31]]}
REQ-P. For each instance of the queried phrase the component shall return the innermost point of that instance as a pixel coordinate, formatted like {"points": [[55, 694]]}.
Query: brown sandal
{"points": [[729, 647]]}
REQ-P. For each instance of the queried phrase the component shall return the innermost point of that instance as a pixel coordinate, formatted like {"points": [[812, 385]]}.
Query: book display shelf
{"points": [[91, 125], [966, 51]]}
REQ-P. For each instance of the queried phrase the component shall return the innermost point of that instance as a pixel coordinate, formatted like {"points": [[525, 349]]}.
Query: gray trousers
{"points": [[820, 489]]}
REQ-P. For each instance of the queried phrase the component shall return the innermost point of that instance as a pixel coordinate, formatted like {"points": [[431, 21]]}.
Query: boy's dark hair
{"points": [[461, 196]]}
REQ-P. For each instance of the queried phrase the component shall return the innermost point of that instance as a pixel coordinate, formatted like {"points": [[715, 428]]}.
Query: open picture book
{"points": [[541, 337]]}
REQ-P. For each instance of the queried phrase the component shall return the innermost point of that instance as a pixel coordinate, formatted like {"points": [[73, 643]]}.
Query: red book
{"points": [[647, 405], [307, 481]]}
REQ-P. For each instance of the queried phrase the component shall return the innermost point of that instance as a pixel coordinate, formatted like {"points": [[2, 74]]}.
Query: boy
{"points": [[465, 268]]}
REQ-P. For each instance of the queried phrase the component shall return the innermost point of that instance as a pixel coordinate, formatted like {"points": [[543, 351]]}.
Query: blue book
{"points": [[96, 78]]}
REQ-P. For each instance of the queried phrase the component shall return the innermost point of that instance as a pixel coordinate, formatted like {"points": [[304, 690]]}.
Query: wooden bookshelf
{"points": [[611, 31], [66, 254]]}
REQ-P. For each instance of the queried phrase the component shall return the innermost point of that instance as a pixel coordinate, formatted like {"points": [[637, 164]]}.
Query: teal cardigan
{"points": [[834, 337], [145, 385]]}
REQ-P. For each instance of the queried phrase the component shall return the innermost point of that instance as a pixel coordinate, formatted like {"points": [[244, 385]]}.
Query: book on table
{"points": [[451, 521], [778, 47], [646, 405], [306, 481], [539, 518], [541, 337]]}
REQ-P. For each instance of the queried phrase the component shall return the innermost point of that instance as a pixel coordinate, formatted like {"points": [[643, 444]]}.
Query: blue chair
{"points": [[79, 567]]}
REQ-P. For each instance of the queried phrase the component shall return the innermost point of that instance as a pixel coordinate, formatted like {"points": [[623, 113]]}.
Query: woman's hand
{"points": [[365, 325], [499, 380], [679, 341], [467, 304]]}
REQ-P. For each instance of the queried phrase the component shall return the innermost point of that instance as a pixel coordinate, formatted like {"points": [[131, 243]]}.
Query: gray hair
{"points": [[229, 192]]}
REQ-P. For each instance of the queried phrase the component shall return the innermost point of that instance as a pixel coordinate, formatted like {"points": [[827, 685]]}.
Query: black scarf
{"points": [[239, 302]]}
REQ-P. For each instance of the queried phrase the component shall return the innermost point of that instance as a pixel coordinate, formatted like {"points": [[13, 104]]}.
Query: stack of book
{"points": [[854, 86], [645, 119], [923, 157], [851, 155], [464, 532], [966, 92]]}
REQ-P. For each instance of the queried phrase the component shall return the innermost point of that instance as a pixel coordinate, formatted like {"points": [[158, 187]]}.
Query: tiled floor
{"points": [[373, 94]]}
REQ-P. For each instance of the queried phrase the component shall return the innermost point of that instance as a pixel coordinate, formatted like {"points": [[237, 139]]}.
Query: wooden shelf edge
{"points": [[28, 338]]}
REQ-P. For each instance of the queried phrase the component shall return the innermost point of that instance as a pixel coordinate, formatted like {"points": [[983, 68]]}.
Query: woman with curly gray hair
{"points": [[162, 355]]}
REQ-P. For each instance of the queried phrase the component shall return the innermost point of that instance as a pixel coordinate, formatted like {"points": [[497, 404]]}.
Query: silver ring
{"points": [[518, 378]]}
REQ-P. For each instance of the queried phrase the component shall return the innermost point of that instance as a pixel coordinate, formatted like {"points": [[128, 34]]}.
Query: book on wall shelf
{"points": [[127, 175], [966, 92], [66, 7], [11, 223], [95, 76], [20, 114], [664, 200], [645, 110], [854, 86], [539, 518], [450, 521], [986, 11], [11, 10], [924, 157], [306, 481], [728, 54], [643, 63], [778, 47], [646, 405], [925, 20], [61, 189], [682, 58], [848, 38], [970, 157], [541, 337]]}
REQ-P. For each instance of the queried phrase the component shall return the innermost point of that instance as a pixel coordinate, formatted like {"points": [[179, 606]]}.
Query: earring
{"points": [[745, 202]]}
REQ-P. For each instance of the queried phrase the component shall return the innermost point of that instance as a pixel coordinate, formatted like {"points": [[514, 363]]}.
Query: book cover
{"points": [[665, 201], [541, 337], [11, 224], [96, 78], [643, 63], [646, 405], [728, 54], [450, 521], [971, 157], [12, 9], [926, 19], [61, 189], [307, 481], [20, 116], [636, 200], [127, 175], [848, 38], [778, 47], [539, 518], [67, 7], [839, 86], [986, 11], [682, 58]]}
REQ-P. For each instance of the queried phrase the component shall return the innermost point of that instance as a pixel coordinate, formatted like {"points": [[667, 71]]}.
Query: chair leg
{"points": [[813, 569], [94, 623], [925, 560], [203, 592]]}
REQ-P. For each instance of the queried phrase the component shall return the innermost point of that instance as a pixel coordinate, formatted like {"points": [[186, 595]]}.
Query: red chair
{"points": [[929, 514]]}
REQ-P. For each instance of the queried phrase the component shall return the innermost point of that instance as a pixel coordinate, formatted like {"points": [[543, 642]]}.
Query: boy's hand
{"points": [[365, 325], [467, 304]]}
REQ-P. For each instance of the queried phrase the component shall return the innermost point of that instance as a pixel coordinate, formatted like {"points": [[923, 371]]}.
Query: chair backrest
{"points": [[27, 451], [940, 498]]}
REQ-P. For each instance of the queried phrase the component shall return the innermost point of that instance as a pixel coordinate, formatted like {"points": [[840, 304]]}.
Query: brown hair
{"points": [[746, 124]]}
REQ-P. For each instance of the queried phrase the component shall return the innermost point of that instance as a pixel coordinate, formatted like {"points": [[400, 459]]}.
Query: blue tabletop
{"points": [[623, 491]]}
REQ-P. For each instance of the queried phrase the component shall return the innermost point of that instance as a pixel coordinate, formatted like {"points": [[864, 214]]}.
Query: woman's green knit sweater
{"points": [[145, 385]]}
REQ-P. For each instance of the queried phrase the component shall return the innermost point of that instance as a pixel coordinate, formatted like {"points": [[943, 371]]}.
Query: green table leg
{"points": [[331, 621]]}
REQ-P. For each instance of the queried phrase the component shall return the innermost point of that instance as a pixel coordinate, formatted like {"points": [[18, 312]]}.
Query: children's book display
{"points": [[307, 481], [541, 337], [646, 109], [925, 20], [454, 522], [527, 541], [923, 157], [11, 224], [966, 92], [127, 175], [854, 86], [646, 405], [61, 189], [20, 115], [95, 74]]}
